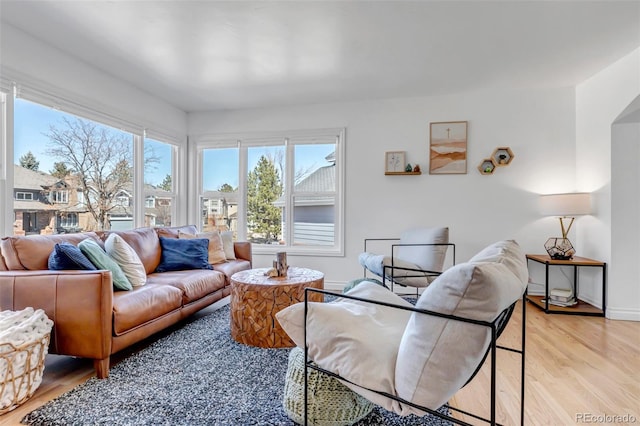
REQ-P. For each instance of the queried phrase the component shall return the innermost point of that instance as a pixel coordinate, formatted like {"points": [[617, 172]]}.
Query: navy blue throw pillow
{"points": [[178, 255], [66, 256]]}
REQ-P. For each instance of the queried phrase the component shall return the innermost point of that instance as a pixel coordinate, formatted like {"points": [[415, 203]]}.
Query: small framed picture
{"points": [[394, 161]]}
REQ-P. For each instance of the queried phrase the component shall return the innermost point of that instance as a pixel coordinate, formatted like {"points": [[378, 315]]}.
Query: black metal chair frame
{"points": [[496, 327], [420, 273]]}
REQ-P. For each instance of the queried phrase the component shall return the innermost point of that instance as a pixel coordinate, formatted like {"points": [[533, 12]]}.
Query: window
{"points": [[24, 196], [280, 191], [33, 115], [159, 183], [68, 221], [59, 144], [60, 196]]}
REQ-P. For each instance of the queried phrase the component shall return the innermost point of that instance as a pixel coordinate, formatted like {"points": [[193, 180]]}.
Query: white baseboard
{"points": [[623, 314]]}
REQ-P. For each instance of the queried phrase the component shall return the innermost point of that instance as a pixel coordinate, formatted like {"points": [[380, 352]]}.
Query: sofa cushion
{"points": [[173, 231], [215, 250], [428, 370], [124, 255], [178, 255], [230, 267], [145, 242], [227, 245], [66, 256], [194, 284], [143, 304], [353, 338], [101, 260], [32, 252]]}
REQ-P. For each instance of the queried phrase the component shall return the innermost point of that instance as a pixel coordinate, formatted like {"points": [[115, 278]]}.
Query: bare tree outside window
{"points": [[102, 160]]}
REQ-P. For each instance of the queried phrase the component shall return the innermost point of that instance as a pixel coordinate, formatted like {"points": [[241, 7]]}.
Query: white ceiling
{"points": [[207, 55]]}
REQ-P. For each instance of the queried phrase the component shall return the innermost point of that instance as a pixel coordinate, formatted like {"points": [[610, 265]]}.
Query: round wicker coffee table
{"points": [[256, 298]]}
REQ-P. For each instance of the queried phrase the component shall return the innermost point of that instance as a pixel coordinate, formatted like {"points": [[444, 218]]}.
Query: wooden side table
{"points": [[256, 298], [582, 307]]}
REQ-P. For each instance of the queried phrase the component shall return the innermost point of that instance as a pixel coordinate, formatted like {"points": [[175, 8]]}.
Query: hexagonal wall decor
{"points": [[502, 156], [487, 167]]}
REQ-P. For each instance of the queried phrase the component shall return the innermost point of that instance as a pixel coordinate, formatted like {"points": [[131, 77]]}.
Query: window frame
{"points": [[20, 86], [289, 139], [23, 194]]}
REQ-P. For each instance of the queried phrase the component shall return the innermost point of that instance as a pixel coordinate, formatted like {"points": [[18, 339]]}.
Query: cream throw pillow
{"points": [[216, 252], [227, 245], [357, 340], [128, 260], [437, 356]]}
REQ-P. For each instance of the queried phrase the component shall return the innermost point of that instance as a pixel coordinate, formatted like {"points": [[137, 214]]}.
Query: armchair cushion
{"points": [[437, 356], [410, 254], [509, 254], [376, 263], [353, 338], [429, 258]]}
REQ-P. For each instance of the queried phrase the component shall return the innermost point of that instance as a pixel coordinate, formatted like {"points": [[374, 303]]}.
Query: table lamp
{"points": [[565, 206]]}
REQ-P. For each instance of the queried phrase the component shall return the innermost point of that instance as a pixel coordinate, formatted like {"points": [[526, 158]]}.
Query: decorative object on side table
{"points": [[279, 266], [565, 206], [448, 148]]}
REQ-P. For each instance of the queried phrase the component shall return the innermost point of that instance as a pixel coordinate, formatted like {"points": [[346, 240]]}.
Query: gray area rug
{"points": [[196, 375]]}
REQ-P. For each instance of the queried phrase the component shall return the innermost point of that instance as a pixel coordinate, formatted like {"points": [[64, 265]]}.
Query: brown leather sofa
{"points": [[91, 320]]}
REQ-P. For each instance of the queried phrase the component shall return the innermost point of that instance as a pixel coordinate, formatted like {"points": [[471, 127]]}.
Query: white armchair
{"points": [[413, 359], [415, 259]]}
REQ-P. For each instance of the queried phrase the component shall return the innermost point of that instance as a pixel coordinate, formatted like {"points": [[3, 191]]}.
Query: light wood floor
{"points": [[575, 366]]}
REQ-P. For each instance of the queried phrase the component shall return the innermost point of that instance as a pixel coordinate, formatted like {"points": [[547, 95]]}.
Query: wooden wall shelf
{"points": [[401, 173]]}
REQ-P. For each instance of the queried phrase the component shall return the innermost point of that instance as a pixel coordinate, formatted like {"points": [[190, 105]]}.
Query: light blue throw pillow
{"points": [[101, 260]]}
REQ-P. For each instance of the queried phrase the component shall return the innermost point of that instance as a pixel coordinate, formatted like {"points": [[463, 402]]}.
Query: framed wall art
{"points": [[448, 147], [394, 161]]}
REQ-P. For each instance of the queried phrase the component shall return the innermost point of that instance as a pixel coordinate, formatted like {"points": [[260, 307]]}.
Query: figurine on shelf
{"points": [[408, 168], [416, 168]]}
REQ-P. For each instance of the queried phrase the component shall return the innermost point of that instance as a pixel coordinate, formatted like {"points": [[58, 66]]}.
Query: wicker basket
{"points": [[22, 366], [330, 402]]}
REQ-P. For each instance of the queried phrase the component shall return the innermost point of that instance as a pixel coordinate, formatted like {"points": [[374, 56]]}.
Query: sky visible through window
{"points": [[221, 165], [32, 121], [31, 125]]}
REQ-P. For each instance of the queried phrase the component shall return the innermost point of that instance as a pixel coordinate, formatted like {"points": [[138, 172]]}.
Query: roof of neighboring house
{"points": [[321, 180], [32, 180], [33, 206]]}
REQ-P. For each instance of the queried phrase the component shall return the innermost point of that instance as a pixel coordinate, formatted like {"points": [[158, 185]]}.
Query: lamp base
{"points": [[559, 248]]}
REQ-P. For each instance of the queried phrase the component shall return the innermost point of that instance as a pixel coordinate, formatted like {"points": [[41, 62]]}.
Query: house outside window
{"points": [[281, 191]]}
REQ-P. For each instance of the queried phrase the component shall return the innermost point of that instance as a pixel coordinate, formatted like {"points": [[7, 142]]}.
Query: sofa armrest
{"points": [[80, 303], [243, 251]]}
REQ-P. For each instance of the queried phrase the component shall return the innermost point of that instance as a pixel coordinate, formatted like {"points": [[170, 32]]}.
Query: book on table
{"points": [[573, 301], [561, 295]]}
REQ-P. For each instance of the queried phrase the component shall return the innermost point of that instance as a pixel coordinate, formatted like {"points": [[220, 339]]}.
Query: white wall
{"points": [[599, 101], [25, 58], [538, 125]]}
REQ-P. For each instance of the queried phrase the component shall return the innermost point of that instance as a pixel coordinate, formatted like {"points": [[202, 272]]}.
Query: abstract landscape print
{"points": [[448, 148]]}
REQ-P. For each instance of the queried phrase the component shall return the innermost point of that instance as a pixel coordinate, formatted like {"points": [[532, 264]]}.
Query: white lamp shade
{"points": [[571, 204]]}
